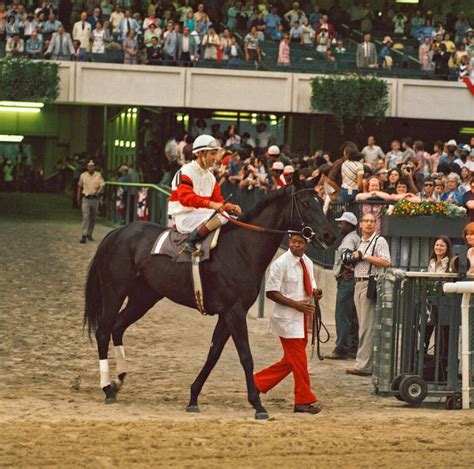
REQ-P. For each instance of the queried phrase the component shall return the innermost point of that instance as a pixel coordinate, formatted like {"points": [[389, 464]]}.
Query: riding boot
{"points": [[199, 234]]}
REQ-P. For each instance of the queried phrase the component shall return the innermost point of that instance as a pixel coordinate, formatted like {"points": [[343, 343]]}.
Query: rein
{"points": [[306, 231], [318, 326]]}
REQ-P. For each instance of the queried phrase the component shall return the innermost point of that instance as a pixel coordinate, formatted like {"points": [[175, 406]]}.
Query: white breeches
{"points": [[189, 221]]}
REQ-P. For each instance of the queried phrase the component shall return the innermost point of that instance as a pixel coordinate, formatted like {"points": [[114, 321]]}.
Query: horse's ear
{"points": [[312, 182], [296, 179]]}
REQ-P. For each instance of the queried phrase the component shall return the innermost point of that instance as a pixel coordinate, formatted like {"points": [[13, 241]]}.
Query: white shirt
{"points": [[286, 277]]}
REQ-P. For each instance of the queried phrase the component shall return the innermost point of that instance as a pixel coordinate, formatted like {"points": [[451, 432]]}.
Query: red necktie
{"points": [[308, 288]]}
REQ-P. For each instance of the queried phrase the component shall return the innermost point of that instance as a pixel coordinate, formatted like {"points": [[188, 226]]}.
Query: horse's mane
{"points": [[266, 200]]}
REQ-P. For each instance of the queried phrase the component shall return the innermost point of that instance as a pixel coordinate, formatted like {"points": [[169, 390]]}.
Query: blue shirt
{"points": [[272, 21], [33, 45], [51, 27], [454, 196]]}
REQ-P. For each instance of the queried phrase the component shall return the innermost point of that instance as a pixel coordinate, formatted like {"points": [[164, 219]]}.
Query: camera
{"points": [[347, 258]]}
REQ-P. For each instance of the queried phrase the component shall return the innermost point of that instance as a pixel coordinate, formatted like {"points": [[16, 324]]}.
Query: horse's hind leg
{"points": [[111, 305], [219, 339], [140, 299]]}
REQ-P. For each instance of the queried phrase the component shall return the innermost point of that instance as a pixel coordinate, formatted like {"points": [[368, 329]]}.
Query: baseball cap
{"points": [[452, 142], [288, 169], [278, 165], [465, 147], [273, 151], [349, 217]]}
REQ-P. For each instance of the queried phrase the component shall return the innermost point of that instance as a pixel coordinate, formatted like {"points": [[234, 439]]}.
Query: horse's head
{"points": [[306, 213]]}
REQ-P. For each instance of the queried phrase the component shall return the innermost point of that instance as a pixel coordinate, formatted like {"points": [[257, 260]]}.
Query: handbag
{"points": [[372, 285]]}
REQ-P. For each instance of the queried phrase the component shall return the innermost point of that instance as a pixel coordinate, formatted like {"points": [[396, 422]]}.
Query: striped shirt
{"points": [[349, 171], [374, 246]]}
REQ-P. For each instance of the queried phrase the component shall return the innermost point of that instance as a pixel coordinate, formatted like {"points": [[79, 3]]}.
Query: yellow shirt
{"points": [[91, 184]]}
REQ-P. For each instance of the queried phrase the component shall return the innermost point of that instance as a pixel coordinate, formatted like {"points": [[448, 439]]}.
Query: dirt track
{"points": [[51, 410]]}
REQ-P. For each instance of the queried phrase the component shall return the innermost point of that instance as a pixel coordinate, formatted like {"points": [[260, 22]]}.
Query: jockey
{"points": [[196, 196]]}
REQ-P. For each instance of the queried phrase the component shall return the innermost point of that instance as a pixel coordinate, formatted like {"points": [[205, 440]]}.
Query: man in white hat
{"points": [[277, 175], [196, 196], [89, 188], [347, 327], [451, 156]]}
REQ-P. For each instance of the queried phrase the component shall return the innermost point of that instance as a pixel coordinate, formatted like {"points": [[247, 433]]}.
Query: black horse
{"points": [[123, 268]]}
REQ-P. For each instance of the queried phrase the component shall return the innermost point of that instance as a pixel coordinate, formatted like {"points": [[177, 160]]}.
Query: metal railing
{"points": [[126, 202]]}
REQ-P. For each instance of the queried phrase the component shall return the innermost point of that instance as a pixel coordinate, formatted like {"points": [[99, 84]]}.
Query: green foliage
{"points": [[28, 80], [350, 97]]}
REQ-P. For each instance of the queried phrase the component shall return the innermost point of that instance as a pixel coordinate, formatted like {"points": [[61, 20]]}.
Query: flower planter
{"points": [[423, 227]]}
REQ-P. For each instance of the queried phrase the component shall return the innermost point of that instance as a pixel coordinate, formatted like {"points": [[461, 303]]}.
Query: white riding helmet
{"points": [[205, 142]]}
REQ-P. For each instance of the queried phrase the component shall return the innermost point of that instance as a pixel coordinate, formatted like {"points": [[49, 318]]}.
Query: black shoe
{"points": [[90, 238], [307, 408], [335, 355], [190, 243], [83, 240]]}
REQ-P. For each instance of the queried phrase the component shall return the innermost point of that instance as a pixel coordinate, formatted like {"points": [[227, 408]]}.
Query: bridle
{"points": [[306, 231]]}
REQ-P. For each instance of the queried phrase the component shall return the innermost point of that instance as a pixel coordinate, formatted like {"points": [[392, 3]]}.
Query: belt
{"points": [[91, 196], [361, 279]]}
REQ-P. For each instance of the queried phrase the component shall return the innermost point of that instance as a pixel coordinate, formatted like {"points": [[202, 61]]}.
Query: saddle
{"points": [[169, 243]]}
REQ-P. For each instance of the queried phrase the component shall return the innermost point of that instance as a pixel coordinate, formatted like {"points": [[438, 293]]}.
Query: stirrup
{"points": [[191, 248]]}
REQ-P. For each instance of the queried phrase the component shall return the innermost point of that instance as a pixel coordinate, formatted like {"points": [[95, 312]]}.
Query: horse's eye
{"points": [[305, 204]]}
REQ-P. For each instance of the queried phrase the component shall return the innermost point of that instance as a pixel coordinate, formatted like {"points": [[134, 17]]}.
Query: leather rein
{"points": [[306, 231]]}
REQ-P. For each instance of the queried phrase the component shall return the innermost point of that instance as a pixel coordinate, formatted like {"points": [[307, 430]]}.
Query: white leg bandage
{"points": [[104, 373], [120, 359]]}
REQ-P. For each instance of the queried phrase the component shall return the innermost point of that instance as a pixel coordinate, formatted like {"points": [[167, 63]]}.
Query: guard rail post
{"points": [[466, 288]]}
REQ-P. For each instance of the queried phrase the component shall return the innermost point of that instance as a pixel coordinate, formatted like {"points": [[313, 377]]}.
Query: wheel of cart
{"points": [[453, 402], [413, 389], [396, 386]]}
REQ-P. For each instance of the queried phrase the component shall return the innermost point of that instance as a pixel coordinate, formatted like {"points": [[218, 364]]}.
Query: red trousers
{"points": [[294, 360]]}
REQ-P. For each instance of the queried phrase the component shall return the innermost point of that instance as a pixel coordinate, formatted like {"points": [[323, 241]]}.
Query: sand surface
{"points": [[51, 407]]}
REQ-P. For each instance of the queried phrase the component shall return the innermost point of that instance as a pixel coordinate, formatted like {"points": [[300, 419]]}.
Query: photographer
{"points": [[372, 256], [346, 317]]}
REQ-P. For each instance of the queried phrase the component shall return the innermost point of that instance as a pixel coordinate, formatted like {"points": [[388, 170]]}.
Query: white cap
{"points": [[349, 217], [273, 151], [278, 165], [452, 142], [465, 147], [288, 169], [205, 142]]}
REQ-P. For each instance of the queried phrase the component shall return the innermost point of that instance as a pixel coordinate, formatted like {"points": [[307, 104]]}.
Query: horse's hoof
{"points": [[111, 400], [261, 416], [193, 408], [116, 385]]}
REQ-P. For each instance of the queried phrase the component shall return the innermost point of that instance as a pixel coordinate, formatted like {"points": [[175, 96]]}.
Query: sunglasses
{"points": [[428, 184]]}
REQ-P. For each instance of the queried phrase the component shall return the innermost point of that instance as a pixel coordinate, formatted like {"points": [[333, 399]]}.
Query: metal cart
{"points": [[416, 340]]}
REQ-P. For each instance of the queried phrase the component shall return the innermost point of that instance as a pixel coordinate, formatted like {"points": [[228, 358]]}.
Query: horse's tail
{"points": [[93, 306]]}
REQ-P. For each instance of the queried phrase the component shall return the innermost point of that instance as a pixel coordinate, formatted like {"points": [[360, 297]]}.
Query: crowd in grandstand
{"points": [[182, 32]]}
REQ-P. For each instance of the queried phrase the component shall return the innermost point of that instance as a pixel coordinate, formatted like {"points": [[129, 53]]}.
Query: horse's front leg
{"points": [[219, 339], [237, 323]]}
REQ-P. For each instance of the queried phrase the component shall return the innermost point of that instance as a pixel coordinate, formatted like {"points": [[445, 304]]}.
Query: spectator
{"points": [[416, 23], [82, 31], [272, 21], [233, 138], [345, 314], [352, 172], [116, 19], [259, 23], [366, 55], [60, 46], [234, 52], [385, 59], [12, 27], [393, 178], [372, 256], [296, 14], [106, 9], [284, 51], [187, 47], [149, 20], [34, 46], [424, 55], [355, 14], [428, 193], [78, 54], [425, 31], [95, 17], [98, 38], [252, 47], [464, 68], [339, 49], [399, 22], [461, 27], [127, 24], [468, 200], [153, 52], [170, 47], [51, 27], [130, 48], [394, 156], [150, 33], [15, 46], [211, 44], [408, 152], [189, 21], [468, 237], [372, 152], [452, 194], [225, 42], [325, 34], [465, 180], [366, 19], [296, 33], [30, 26], [450, 158]]}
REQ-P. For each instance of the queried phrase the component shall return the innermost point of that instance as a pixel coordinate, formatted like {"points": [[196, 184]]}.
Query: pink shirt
{"points": [[284, 53]]}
